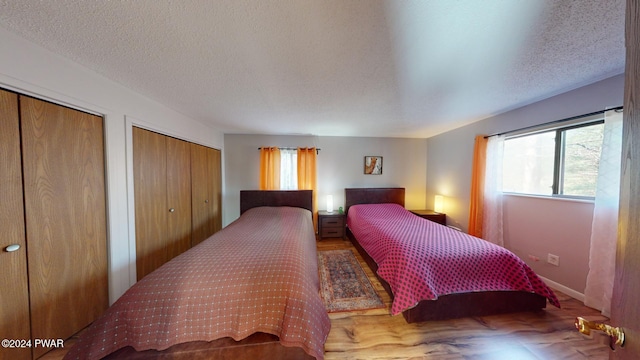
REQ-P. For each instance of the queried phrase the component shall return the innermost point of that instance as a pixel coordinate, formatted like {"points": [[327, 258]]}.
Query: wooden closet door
{"points": [[205, 196], [14, 291], [150, 189], [178, 197], [216, 189], [199, 194], [63, 167]]}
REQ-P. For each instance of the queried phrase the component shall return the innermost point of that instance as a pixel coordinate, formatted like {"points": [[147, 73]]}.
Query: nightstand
{"points": [[331, 224], [440, 218]]}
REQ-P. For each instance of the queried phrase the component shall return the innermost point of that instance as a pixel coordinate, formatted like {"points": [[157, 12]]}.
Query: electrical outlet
{"points": [[553, 259]]}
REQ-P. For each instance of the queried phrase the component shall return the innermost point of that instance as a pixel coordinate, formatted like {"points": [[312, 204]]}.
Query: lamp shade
{"points": [[329, 203], [438, 204]]}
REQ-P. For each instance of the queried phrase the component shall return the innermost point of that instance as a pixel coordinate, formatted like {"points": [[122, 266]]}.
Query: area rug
{"points": [[344, 284]]}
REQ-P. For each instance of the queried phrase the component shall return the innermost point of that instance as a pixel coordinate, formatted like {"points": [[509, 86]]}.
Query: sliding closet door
{"points": [[216, 189], [63, 167], [14, 296], [150, 189], [200, 194], [162, 187], [206, 197], [178, 197]]}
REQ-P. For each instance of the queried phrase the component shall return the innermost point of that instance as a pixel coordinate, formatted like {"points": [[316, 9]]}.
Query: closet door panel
{"points": [[63, 167], [151, 209], [216, 190], [209, 184], [14, 296], [200, 176], [178, 197]]}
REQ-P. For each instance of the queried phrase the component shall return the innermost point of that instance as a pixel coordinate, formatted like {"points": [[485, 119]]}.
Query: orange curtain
{"points": [[269, 168], [307, 174], [477, 186]]}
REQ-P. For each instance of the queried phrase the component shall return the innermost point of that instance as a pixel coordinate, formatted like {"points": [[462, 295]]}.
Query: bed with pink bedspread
{"points": [[433, 271], [257, 277]]}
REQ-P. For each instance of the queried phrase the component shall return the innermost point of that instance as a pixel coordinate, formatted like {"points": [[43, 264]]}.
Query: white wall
{"points": [[532, 226], [535, 227], [29, 69], [340, 165]]}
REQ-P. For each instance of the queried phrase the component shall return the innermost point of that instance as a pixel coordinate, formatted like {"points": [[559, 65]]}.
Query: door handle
{"points": [[12, 248], [615, 333]]}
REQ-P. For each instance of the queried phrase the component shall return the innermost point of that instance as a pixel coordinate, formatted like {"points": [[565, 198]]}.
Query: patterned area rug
{"points": [[344, 285]]}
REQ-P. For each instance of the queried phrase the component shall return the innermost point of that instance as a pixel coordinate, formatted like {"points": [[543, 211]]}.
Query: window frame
{"points": [[558, 162]]}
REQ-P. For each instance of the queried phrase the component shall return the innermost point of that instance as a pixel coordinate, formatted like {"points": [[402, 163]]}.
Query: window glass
{"points": [[528, 164], [288, 169], [580, 160], [558, 162]]}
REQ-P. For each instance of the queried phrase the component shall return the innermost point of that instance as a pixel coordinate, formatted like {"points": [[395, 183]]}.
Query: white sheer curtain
{"points": [[492, 217], [288, 169], [604, 229]]}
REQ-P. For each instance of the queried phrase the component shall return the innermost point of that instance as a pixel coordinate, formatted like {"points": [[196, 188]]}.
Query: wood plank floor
{"points": [[375, 334]]}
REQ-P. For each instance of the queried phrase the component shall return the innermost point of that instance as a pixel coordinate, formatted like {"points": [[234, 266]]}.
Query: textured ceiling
{"points": [[334, 67]]}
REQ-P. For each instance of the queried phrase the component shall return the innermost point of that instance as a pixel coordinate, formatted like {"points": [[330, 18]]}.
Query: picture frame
{"points": [[373, 165]]}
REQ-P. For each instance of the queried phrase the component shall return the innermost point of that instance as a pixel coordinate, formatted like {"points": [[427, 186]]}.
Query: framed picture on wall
{"points": [[373, 165]]}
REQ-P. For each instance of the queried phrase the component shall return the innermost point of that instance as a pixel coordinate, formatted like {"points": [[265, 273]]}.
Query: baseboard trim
{"points": [[565, 290]]}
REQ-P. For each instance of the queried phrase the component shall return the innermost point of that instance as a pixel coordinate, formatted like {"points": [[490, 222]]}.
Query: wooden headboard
{"points": [[295, 198], [356, 196]]}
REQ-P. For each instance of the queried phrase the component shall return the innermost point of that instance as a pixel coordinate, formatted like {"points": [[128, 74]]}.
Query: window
{"points": [[288, 169], [556, 162]]}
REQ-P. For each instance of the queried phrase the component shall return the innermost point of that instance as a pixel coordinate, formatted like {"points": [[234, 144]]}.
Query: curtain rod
{"points": [[555, 121], [294, 148]]}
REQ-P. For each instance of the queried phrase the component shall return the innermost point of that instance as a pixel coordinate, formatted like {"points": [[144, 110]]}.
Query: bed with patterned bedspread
{"points": [[421, 263], [257, 275]]}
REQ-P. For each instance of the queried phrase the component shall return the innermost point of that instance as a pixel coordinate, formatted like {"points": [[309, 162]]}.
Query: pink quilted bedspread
{"points": [[422, 260], [259, 274]]}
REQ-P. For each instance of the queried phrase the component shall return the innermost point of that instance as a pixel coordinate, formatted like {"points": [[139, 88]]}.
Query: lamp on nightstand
{"points": [[330, 203], [438, 204]]}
